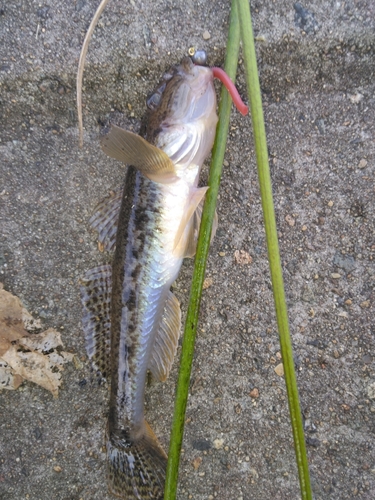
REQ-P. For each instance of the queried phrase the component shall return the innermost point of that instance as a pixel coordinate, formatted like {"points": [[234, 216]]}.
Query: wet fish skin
{"points": [[157, 227]]}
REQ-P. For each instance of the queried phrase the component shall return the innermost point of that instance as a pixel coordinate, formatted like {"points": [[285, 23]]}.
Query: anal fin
{"points": [[96, 290], [166, 340]]}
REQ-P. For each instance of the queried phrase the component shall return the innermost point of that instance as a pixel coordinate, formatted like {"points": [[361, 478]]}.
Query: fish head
{"points": [[182, 117]]}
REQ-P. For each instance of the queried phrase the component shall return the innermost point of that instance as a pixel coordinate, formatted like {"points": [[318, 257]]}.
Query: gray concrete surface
{"points": [[317, 77]]}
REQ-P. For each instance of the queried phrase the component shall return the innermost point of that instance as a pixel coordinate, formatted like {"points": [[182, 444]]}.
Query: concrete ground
{"points": [[316, 63]]}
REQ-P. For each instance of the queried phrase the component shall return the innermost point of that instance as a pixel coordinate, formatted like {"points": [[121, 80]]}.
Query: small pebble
{"points": [[290, 220], [241, 257], [207, 283], [356, 98], [336, 276], [254, 393], [57, 468], [196, 462], [254, 473], [362, 163], [330, 203], [279, 370], [218, 443], [206, 35]]}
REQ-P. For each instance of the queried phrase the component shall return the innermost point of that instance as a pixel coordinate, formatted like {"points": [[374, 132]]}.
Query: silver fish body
{"points": [[131, 318]]}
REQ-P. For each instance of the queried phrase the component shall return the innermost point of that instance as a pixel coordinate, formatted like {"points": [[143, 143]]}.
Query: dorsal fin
{"points": [[132, 149], [96, 291], [166, 340], [105, 219]]}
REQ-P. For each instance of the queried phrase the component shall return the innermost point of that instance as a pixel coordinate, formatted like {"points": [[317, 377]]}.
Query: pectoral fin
{"points": [[192, 238], [166, 340], [132, 149], [181, 240], [187, 234]]}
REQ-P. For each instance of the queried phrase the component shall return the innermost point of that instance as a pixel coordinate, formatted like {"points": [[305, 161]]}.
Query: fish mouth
{"points": [[185, 94]]}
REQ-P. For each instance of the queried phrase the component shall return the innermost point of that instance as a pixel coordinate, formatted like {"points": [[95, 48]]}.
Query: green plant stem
{"points": [[272, 243], [200, 263]]}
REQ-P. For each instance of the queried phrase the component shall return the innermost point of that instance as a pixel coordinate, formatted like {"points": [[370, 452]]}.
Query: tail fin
{"points": [[135, 468]]}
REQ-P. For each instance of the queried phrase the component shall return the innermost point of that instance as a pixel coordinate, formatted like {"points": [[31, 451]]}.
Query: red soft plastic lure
{"points": [[229, 85]]}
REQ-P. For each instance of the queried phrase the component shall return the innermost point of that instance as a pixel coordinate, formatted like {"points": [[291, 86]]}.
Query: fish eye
{"points": [[154, 100]]}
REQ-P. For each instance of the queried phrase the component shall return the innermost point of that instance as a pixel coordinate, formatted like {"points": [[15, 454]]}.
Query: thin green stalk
{"points": [[272, 243], [200, 263]]}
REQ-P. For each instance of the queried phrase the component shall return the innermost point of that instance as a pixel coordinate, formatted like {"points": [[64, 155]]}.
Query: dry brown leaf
{"points": [[38, 365], [30, 324], [15, 321], [24, 356], [11, 323], [44, 342], [8, 379]]}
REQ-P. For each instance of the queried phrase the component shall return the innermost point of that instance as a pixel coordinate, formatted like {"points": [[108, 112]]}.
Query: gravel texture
{"points": [[317, 65]]}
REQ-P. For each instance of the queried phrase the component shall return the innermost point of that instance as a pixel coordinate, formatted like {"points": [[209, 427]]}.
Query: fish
{"points": [[131, 318]]}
